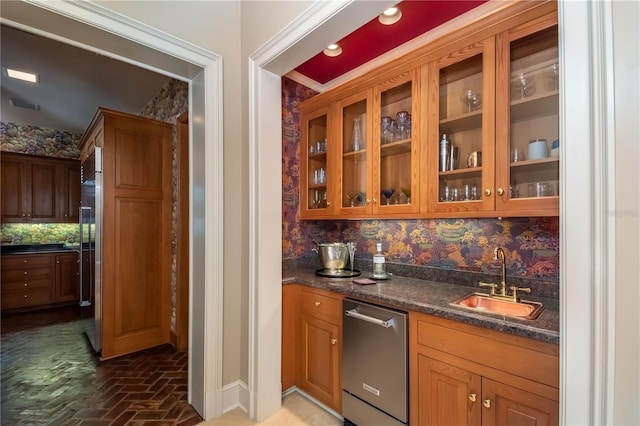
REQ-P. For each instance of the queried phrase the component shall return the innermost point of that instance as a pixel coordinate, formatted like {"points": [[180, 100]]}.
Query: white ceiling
{"points": [[73, 83]]}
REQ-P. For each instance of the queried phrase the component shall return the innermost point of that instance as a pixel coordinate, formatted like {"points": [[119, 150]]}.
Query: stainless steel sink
{"points": [[484, 303]]}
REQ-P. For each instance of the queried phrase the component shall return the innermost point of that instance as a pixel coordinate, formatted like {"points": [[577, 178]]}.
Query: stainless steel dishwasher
{"points": [[374, 365]]}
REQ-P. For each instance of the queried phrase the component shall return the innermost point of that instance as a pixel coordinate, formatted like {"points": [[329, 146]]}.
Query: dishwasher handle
{"points": [[383, 323]]}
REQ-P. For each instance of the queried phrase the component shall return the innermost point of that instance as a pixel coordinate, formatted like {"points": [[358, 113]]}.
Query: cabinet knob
{"points": [[375, 200], [26, 284], [23, 215], [24, 261], [334, 341], [26, 272], [328, 203], [500, 191], [472, 397], [26, 296], [487, 192], [317, 304], [487, 403], [57, 261]]}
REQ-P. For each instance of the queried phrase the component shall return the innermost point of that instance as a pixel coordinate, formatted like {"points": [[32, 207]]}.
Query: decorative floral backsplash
{"points": [[531, 244], [38, 141]]}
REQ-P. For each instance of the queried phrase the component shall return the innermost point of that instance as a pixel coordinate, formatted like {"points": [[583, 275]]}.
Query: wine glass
{"points": [[471, 98], [525, 85], [553, 75], [352, 197], [387, 194], [406, 190]]}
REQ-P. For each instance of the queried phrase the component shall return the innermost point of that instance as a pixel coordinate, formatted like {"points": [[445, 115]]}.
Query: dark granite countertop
{"points": [[36, 248], [433, 298]]}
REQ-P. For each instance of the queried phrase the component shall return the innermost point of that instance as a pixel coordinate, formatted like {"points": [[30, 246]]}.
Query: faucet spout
{"points": [[499, 254]]}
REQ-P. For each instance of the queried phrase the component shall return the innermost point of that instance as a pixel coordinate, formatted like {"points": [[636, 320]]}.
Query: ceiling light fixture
{"points": [[22, 75], [332, 50], [390, 16]]}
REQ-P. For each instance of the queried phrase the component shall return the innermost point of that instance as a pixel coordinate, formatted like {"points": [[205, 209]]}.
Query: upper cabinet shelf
{"points": [[487, 89]]}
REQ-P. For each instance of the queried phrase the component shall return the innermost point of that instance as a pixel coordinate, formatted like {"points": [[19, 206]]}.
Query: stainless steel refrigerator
{"points": [[91, 248]]}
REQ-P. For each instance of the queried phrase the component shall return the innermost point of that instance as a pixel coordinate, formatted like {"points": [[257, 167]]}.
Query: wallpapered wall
{"points": [[531, 244]]}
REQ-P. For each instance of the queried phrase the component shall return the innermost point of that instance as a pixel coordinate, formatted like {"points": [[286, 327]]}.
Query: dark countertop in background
{"points": [[433, 298], [36, 248]]}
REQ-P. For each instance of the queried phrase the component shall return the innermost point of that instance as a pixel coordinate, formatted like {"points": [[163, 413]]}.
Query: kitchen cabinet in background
{"points": [[39, 189], [38, 281]]}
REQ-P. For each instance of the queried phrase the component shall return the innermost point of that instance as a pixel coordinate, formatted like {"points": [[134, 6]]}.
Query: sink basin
{"points": [[480, 302]]}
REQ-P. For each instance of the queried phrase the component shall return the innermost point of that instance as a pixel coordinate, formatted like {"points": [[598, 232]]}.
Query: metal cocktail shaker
{"points": [[445, 153]]}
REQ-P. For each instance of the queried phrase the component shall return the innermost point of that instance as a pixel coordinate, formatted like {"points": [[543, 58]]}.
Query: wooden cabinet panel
{"points": [[39, 189], [447, 395], [290, 315], [14, 189], [507, 405], [67, 283], [27, 281], [136, 232], [319, 370]]}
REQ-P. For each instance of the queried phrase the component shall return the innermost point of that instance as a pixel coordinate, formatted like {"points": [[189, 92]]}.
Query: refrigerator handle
{"points": [[81, 223]]}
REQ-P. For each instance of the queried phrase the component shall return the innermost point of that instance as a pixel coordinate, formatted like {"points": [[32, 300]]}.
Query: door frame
{"points": [[181, 243], [111, 34]]}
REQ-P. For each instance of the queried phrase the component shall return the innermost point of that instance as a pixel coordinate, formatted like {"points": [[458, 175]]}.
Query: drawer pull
{"points": [[334, 341], [24, 261], [26, 284], [26, 296], [472, 397], [487, 403], [26, 273], [316, 304]]}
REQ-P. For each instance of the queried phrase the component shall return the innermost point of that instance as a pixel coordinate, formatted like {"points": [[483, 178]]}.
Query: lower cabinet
{"points": [[35, 281], [67, 277], [312, 334], [465, 375]]}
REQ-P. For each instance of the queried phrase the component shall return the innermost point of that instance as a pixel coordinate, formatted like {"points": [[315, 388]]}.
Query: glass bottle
{"points": [[356, 139], [379, 263]]}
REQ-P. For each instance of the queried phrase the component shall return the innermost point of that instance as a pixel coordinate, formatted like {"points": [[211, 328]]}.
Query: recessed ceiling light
{"points": [[22, 75], [390, 16], [332, 50]]}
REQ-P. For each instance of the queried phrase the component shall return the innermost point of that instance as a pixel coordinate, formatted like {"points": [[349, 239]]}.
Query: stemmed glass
{"points": [[352, 197], [352, 251], [471, 98], [387, 194], [553, 74], [525, 84], [407, 193]]}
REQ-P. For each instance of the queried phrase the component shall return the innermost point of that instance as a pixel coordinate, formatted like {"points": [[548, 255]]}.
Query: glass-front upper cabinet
{"points": [[395, 174], [355, 165], [527, 112], [460, 135], [317, 141]]}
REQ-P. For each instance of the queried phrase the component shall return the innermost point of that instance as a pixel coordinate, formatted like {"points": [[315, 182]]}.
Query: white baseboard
{"points": [[235, 395]]}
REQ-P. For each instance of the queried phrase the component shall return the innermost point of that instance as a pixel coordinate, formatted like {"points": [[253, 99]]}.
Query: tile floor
{"points": [[296, 411]]}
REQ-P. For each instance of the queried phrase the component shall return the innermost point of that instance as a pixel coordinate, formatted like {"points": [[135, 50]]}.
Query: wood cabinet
{"points": [[135, 230], [312, 334], [27, 281], [67, 281], [39, 189], [491, 87], [465, 375]]}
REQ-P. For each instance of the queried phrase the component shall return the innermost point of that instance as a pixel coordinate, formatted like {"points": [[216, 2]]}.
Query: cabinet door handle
{"points": [[487, 192], [316, 304], [26, 296], [26, 273], [500, 191], [375, 200], [487, 403], [472, 397], [57, 261], [334, 341]]}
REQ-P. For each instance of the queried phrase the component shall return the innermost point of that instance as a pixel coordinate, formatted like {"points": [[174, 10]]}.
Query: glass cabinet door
{"points": [[355, 167], [461, 142], [315, 173], [395, 170], [529, 109]]}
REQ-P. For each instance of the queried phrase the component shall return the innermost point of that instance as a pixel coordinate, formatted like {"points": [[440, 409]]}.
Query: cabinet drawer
{"points": [[26, 274], [35, 297], [319, 302], [23, 262], [24, 285]]}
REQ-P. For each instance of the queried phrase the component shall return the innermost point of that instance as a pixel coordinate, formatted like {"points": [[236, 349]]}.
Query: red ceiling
{"points": [[373, 39]]}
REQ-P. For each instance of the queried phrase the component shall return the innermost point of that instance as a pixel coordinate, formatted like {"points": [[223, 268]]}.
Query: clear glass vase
{"points": [[356, 138]]}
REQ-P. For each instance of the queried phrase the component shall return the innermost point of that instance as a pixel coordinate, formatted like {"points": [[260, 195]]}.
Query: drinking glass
{"points": [[517, 154], [471, 98], [387, 194], [406, 190]]}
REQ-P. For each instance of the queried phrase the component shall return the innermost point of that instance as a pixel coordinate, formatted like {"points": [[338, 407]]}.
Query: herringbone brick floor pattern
{"points": [[51, 376]]}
